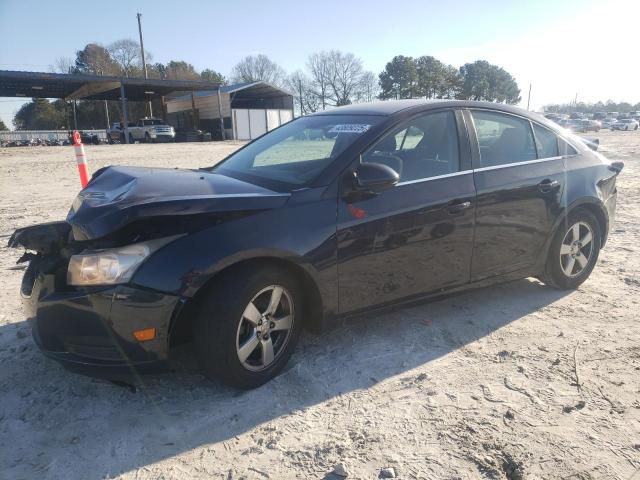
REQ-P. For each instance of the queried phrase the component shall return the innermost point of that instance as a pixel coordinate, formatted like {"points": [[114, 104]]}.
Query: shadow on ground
{"points": [[55, 423]]}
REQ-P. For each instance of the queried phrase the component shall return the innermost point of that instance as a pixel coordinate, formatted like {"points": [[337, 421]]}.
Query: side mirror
{"points": [[592, 143], [374, 178]]}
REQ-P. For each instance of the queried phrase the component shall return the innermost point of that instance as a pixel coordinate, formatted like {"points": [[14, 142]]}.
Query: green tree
{"points": [[481, 80], [431, 76], [399, 78], [210, 75], [95, 59], [39, 114], [180, 70], [2, 126]]}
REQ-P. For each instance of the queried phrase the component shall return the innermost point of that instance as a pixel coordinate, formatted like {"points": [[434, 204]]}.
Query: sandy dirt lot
{"points": [[514, 381]]}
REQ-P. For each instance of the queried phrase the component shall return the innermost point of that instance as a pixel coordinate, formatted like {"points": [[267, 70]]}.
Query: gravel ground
{"points": [[514, 381]]}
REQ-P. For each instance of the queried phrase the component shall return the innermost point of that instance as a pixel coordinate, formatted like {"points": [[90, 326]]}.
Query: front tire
{"points": [[574, 251], [248, 325]]}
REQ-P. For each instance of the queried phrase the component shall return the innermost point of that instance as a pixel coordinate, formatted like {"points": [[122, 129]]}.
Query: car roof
{"points": [[392, 107]]}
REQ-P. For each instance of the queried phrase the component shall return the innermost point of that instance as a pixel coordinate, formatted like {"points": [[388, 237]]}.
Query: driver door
{"points": [[416, 237]]}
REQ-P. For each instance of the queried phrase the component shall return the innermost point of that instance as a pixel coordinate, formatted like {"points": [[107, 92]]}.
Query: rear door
{"points": [[519, 177], [417, 237]]}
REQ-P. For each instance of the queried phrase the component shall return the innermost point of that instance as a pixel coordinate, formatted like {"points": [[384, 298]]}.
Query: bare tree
{"points": [[345, 76], [369, 88], [62, 65], [304, 97], [258, 67], [126, 53], [319, 65], [338, 78]]}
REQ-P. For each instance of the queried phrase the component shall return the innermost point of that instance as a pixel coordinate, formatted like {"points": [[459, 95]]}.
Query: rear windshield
{"points": [[299, 151]]}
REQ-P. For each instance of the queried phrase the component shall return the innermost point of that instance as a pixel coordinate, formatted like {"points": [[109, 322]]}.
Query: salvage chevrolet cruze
{"points": [[332, 214]]}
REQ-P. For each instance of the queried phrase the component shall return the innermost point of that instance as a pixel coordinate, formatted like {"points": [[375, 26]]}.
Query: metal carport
{"points": [[94, 87]]}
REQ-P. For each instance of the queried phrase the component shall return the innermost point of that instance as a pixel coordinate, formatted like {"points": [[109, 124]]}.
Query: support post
{"points": [[220, 115], [193, 111], [163, 103], [75, 118], [106, 113], [123, 99]]}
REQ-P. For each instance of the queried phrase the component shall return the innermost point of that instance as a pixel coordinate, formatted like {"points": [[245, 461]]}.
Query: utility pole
{"points": [[144, 62], [529, 97]]}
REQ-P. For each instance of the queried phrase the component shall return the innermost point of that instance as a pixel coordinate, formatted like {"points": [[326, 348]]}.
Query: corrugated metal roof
{"points": [[91, 87], [253, 89]]}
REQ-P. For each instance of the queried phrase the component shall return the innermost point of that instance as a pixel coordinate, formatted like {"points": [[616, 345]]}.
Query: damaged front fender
{"points": [[44, 238]]}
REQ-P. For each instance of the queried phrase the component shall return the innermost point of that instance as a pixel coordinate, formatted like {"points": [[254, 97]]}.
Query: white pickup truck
{"points": [[145, 130]]}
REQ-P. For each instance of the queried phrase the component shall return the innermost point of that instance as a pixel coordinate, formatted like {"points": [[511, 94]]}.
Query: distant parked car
{"points": [[152, 130], [87, 138], [599, 115], [583, 125], [625, 124], [608, 122], [149, 130], [115, 134]]}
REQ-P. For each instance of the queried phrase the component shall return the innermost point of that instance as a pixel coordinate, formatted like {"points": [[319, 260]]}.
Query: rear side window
{"points": [[566, 149], [503, 138], [546, 142]]}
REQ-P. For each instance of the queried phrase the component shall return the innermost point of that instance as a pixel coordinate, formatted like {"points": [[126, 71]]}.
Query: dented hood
{"points": [[118, 196]]}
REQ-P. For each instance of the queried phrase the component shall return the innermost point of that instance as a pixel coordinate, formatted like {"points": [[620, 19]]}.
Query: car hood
{"points": [[118, 196]]}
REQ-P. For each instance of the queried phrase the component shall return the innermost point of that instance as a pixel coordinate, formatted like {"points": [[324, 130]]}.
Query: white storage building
{"points": [[247, 109]]}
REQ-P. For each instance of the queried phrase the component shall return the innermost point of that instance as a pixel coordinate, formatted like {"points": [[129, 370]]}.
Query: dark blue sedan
{"points": [[332, 214]]}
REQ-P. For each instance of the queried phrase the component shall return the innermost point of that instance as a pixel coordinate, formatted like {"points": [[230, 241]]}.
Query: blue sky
{"points": [[539, 42]]}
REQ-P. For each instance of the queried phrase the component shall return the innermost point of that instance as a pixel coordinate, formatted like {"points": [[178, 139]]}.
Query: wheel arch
{"points": [[181, 326], [592, 205]]}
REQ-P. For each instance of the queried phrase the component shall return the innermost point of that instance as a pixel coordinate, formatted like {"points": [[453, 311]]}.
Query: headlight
{"points": [[111, 266]]}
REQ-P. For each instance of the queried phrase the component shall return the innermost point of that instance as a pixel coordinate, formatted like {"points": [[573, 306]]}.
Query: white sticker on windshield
{"points": [[350, 128]]}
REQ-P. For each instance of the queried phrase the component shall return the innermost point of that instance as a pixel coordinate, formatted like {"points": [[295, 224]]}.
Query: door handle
{"points": [[547, 185], [458, 206]]}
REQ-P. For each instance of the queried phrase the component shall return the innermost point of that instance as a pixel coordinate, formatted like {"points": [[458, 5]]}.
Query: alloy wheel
{"points": [[576, 249], [265, 328]]}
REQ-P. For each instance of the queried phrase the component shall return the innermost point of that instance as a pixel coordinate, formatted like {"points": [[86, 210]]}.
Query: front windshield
{"points": [[297, 152], [153, 122]]}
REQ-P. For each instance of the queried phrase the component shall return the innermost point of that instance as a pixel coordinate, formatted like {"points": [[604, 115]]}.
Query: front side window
{"points": [[297, 152], [424, 147], [546, 142], [503, 138]]}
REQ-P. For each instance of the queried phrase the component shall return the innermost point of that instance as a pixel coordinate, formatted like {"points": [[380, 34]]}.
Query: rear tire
{"points": [[237, 320], [574, 251]]}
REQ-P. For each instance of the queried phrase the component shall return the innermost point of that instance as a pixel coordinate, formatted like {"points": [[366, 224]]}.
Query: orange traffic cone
{"points": [[81, 158]]}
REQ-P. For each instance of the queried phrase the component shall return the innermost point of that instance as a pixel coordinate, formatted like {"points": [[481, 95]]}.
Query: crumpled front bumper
{"points": [[90, 331]]}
